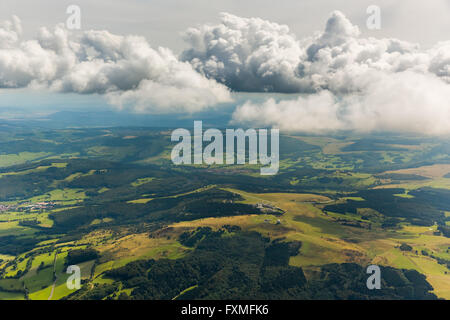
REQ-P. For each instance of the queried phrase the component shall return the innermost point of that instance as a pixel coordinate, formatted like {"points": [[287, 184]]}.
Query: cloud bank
{"points": [[251, 54], [125, 69], [393, 104], [350, 82]]}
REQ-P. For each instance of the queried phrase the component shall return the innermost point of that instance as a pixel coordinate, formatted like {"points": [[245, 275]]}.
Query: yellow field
{"points": [[434, 171]]}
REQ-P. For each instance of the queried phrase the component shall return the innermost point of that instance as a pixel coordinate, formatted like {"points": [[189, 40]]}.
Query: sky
{"points": [[162, 21], [311, 66]]}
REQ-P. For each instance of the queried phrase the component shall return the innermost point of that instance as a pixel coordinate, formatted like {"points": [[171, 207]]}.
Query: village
{"points": [[27, 206]]}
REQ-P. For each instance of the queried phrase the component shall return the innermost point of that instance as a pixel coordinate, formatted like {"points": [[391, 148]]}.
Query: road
{"points": [[54, 274]]}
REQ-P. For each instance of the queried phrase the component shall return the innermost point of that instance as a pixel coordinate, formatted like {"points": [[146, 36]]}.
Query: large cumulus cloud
{"points": [[347, 82], [251, 54], [246, 54], [125, 68]]}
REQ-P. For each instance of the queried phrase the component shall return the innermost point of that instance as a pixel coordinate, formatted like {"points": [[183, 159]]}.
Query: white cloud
{"points": [[251, 54], [125, 68], [309, 113], [401, 102], [246, 54], [353, 83], [440, 60]]}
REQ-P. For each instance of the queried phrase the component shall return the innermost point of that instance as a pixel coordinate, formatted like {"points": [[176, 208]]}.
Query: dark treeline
{"points": [[81, 255]]}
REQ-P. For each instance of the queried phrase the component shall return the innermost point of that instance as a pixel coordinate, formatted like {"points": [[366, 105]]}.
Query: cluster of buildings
{"points": [[268, 207], [4, 208], [27, 207], [38, 206]]}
